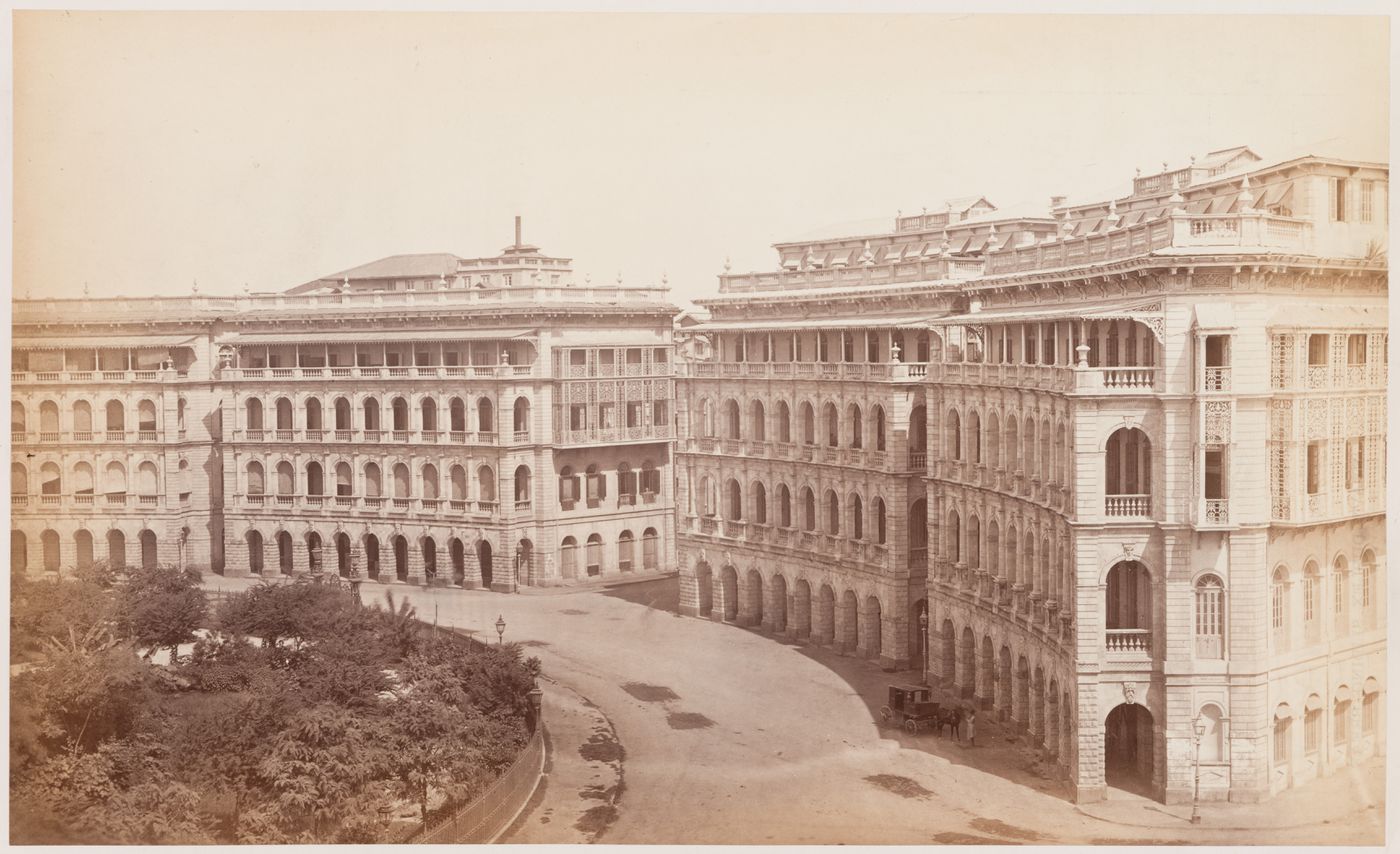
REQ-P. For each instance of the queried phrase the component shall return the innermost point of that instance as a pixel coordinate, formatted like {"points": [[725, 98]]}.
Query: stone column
{"points": [[471, 579], [415, 563], [301, 555], [795, 620]]}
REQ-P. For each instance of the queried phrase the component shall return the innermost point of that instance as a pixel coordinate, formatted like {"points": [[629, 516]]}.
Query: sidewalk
{"points": [[375, 589], [1349, 797]]}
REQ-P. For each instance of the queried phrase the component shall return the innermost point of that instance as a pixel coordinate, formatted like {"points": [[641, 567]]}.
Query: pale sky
{"points": [[156, 149]]}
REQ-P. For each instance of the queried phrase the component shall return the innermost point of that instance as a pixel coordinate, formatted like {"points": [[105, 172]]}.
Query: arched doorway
{"points": [[779, 615], [753, 598], [524, 563], [284, 552], [1004, 703], [1128, 748], [873, 623], [988, 671], [342, 554], [947, 654], [458, 553], [967, 654], [401, 558], [918, 633], [148, 549], [429, 546], [19, 552], [372, 556], [483, 557], [313, 552], [704, 590], [82, 541], [850, 621], [825, 628], [49, 544], [802, 610], [729, 580]]}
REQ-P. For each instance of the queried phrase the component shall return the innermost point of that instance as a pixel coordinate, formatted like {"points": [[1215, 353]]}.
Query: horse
{"points": [[948, 718]]}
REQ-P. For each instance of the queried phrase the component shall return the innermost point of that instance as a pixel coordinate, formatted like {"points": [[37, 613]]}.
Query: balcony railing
{"points": [[1127, 505], [380, 372], [1217, 511], [1128, 642], [81, 376], [1215, 379]]}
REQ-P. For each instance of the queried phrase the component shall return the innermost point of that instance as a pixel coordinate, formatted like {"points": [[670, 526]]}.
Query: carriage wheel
{"points": [[911, 726], [885, 714]]}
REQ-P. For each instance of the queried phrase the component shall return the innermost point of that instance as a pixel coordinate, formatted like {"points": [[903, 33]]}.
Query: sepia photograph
{"points": [[758, 424]]}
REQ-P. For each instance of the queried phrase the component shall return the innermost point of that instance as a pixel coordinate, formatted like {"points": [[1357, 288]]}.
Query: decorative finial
{"points": [[1137, 173], [1193, 160], [195, 287], [1113, 217], [726, 263], [945, 246], [246, 289], [925, 210], [1247, 195], [1176, 200], [664, 280], [86, 291], [808, 258], [1164, 165], [619, 277], [867, 257], [588, 278]]}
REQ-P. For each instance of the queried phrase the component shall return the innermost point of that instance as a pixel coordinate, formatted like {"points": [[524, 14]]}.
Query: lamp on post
{"points": [[1198, 727], [923, 631], [536, 697], [500, 629]]}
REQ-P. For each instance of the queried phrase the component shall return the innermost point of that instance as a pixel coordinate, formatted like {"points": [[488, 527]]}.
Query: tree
{"points": [[319, 766], [160, 607]]}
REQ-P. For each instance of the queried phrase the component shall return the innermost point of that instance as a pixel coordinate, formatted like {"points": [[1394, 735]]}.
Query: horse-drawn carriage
{"points": [[910, 707]]}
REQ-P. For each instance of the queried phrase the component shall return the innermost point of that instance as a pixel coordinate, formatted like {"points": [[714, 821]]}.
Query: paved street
{"points": [[673, 730]]}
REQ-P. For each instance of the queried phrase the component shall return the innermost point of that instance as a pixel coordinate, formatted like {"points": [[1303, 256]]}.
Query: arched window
{"points": [[48, 420], [252, 414], [994, 565], [428, 412], [50, 480], [974, 541], [707, 419], [116, 417], [833, 425], [313, 414], [730, 414], [651, 479], [1029, 439], [82, 420], [1210, 617], [784, 506], [1129, 607], [760, 502], [877, 419], [1278, 608], [595, 554], [1312, 602], [809, 509], [284, 414], [568, 557], [485, 416], [954, 435], [878, 506], [809, 424], [145, 416], [457, 417], [1013, 445], [1128, 466], [595, 485], [974, 437], [403, 481], [431, 485], [398, 409], [757, 426], [1368, 586], [522, 487], [1213, 739], [954, 537], [315, 479], [1059, 472], [520, 419], [342, 414], [17, 417], [626, 484], [286, 479], [49, 543], [255, 552], [649, 549], [857, 517], [256, 484], [993, 441], [1341, 596], [344, 480], [83, 481], [624, 551], [733, 500], [832, 505], [568, 487], [147, 479], [1013, 560], [706, 502], [856, 431], [784, 422], [19, 479], [371, 408], [458, 478], [486, 484]]}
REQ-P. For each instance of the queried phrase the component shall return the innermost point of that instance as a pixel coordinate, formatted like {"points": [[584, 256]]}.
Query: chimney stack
{"points": [[517, 231], [1056, 201]]}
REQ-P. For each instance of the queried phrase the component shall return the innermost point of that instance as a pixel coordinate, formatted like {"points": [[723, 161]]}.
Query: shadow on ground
{"points": [[1000, 750]]}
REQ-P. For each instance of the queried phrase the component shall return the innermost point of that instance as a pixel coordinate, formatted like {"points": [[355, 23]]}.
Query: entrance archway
{"points": [[704, 589], [458, 553], [873, 625], [1128, 748], [729, 579], [483, 557], [918, 629], [850, 622], [948, 657], [753, 598], [802, 610], [779, 615], [825, 628], [967, 651]]}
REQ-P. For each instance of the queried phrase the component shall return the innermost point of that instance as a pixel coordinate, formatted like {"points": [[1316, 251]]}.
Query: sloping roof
{"points": [[105, 342], [1222, 156], [393, 267], [852, 228]]}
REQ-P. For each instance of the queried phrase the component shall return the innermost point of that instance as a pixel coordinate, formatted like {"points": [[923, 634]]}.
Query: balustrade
{"points": [[1217, 511], [1127, 505], [1133, 643], [1216, 379]]}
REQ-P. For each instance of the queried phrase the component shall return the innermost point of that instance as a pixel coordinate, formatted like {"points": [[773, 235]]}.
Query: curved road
{"points": [[730, 737]]}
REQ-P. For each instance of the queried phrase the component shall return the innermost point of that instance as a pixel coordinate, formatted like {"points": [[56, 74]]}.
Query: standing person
{"points": [[971, 722]]}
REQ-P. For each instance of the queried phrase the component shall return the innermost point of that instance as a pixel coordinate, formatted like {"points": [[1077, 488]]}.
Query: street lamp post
{"points": [[500, 630], [1198, 727], [923, 631]]}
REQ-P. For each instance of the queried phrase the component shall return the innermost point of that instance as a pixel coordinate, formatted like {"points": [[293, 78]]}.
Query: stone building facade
{"points": [[477, 422], [1118, 468]]}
